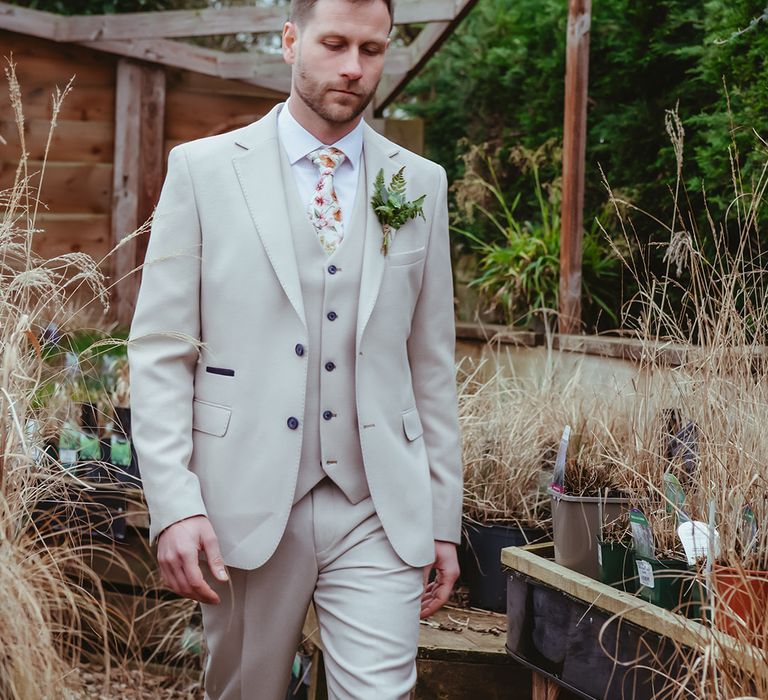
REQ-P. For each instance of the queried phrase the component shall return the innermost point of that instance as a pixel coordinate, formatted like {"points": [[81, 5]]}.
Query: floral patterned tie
{"points": [[324, 210]]}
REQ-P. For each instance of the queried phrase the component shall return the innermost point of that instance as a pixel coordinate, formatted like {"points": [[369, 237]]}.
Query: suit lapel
{"points": [[258, 171], [377, 155]]}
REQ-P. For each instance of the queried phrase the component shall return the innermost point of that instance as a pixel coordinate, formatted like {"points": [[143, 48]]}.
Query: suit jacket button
{"points": [[293, 423], [327, 415], [332, 315], [333, 269], [299, 349], [330, 366]]}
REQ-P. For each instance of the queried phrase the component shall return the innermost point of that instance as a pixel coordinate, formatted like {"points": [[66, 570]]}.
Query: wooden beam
{"points": [[151, 154], [184, 23], [46, 25], [574, 149], [265, 70], [139, 166], [167, 24], [125, 187], [391, 85], [429, 40]]}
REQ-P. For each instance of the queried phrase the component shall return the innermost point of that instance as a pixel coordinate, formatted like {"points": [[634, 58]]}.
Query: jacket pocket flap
{"points": [[210, 418], [409, 256], [412, 424]]}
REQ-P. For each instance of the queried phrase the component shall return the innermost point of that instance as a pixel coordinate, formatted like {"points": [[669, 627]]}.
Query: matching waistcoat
{"points": [[330, 286]]}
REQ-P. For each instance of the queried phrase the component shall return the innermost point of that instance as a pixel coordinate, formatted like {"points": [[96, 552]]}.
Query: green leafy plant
{"points": [[391, 206], [519, 259]]}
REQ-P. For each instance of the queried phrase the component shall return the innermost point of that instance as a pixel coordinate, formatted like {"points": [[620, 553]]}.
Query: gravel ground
{"points": [[137, 684]]}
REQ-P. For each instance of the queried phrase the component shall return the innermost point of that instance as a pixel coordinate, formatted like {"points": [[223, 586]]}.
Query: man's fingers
{"points": [[198, 587], [213, 555], [167, 572]]}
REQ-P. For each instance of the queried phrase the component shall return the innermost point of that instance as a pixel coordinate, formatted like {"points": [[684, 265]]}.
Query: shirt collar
{"points": [[298, 142]]}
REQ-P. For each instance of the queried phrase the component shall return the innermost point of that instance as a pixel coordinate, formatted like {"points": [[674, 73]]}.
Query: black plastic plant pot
{"points": [[664, 582], [617, 566], [480, 560], [591, 652]]}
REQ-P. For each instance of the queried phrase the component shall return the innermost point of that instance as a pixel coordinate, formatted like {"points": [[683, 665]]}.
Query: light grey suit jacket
{"points": [[221, 289]]}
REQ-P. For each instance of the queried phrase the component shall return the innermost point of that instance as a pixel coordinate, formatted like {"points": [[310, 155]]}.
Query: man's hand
{"points": [[446, 566], [177, 554]]}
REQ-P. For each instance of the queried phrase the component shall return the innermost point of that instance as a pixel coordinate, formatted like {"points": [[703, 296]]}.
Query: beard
{"points": [[313, 94]]}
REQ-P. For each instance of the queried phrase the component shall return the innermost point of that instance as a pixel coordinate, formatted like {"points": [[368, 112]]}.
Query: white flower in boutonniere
{"points": [[391, 206]]}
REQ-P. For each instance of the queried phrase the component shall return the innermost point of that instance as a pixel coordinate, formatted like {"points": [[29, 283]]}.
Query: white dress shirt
{"points": [[298, 142]]}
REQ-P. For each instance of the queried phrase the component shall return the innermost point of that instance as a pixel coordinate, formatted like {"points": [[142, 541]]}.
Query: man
{"points": [[293, 387]]}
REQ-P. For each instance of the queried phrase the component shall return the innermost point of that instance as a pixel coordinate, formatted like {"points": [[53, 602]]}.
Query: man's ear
{"points": [[290, 37]]}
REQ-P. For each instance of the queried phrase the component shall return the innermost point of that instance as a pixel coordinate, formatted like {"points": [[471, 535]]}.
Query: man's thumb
{"points": [[213, 555]]}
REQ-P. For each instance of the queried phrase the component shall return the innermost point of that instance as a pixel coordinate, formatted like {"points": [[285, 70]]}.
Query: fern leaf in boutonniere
{"points": [[391, 206]]}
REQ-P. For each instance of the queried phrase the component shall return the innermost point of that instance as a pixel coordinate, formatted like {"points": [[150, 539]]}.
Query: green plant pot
{"points": [[617, 566], [669, 582], [695, 600]]}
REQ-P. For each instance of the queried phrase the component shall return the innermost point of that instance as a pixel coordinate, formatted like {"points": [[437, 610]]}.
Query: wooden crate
{"points": [[561, 622]]}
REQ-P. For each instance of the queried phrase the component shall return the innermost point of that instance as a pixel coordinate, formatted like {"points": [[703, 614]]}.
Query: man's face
{"points": [[338, 56]]}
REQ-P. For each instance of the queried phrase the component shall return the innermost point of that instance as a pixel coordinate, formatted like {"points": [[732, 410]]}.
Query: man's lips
{"points": [[344, 92]]}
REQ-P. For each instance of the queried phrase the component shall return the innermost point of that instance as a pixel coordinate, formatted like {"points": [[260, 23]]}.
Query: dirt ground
{"points": [[151, 683]]}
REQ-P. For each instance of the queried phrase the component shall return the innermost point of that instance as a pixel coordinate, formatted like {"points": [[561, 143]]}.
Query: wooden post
{"points": [[574, 148], [138, 172], [543, 689], [152, 153]]}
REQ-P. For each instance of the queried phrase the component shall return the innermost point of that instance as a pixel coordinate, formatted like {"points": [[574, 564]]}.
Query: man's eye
{"points": [[372, 50], [332, 47]]}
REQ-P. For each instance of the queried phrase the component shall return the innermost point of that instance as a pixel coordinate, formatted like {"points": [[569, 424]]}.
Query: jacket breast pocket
{"points": [[407, 257], [412, 424], [211, 418]]}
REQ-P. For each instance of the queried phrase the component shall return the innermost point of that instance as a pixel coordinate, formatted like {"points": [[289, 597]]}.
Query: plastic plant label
{"points": [[67, 456], [69, 445], [675, 497], [90, 448], [694, 535], [599, 555], [558, 477], [645, 573], [641, 534], [748, 530], [120, 452]]}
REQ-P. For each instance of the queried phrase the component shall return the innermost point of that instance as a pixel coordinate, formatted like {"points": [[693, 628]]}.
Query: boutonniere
{"points": [[391, 206]]}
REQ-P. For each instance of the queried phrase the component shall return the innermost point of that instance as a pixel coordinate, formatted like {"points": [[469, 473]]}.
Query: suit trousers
{"points": [[366, 598]]}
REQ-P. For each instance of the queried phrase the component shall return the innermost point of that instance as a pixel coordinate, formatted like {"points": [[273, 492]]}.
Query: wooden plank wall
{"points": [[77, 184], [77, 180]]}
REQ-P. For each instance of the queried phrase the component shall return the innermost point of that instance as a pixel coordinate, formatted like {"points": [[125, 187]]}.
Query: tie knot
{"points": [[327, 159]]}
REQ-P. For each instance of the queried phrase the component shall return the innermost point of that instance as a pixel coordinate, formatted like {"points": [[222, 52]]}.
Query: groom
{"points": [[293, 388]]}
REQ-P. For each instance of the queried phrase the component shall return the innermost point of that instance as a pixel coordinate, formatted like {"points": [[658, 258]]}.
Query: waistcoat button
{"points": [[293, 423], [333, 269], [299, 349], [332, 316], [330, 366], [327, 415]]}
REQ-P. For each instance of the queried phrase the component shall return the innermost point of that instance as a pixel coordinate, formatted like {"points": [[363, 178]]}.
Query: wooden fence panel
{"points": [[72, 141], [68, 187]]}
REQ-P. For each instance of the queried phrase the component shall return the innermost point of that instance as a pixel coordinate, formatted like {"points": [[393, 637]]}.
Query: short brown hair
{"points": [[302, 9]]}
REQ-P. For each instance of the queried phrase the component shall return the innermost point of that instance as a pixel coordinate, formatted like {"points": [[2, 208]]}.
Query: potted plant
{"points": [[506, 460]]}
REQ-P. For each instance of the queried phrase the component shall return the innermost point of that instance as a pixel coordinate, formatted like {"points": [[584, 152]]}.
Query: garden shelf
{"points": [[560, 624]]}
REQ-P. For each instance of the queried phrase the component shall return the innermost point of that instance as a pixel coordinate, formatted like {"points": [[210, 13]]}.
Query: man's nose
{"points": [[351, 69]]}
